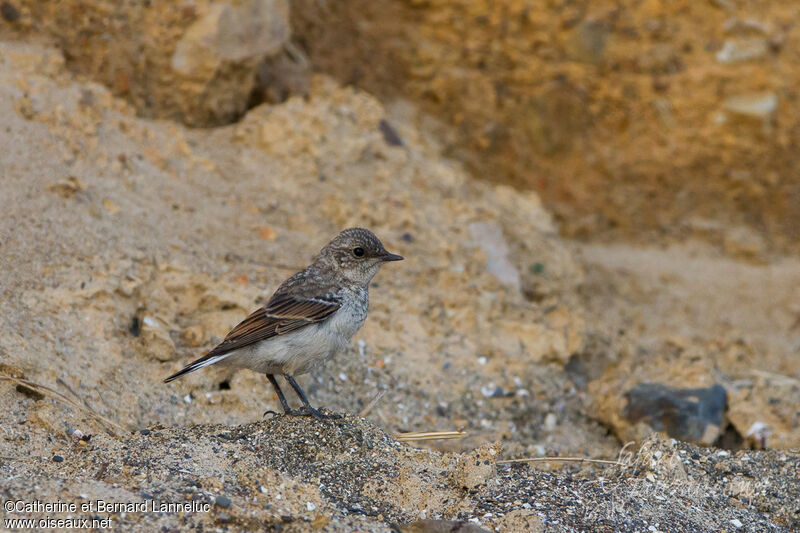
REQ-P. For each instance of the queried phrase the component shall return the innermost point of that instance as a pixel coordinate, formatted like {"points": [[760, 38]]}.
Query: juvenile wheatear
{"points": [[312, 316]]}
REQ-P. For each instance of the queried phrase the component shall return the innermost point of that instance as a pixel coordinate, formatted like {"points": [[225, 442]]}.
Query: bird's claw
{"points": [[319, 415], [316, 414]]}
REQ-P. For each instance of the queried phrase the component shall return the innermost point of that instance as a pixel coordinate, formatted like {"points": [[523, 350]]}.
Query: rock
{"points": [[193, 62], [550, 422], [222, 501], [9, 12], [223, 49], [31, 393], [739, 50], [692, 415], [759, 105], [675, 395], [390, 134], [489, 237], [230, 34], [193, 336], [156, 338], [757, 435]]}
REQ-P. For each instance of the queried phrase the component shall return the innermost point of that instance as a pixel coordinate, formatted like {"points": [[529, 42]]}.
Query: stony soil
{"points": [[295, 474]]}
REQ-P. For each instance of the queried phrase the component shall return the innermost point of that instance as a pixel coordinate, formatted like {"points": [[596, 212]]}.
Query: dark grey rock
{"points": [[694, 415]]}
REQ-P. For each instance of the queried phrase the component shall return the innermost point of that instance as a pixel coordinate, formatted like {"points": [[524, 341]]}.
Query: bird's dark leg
{"points": [[316, 413], [281, 397]]}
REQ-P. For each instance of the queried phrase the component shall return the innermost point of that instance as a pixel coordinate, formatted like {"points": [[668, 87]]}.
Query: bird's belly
{"points": [[297, 352]]}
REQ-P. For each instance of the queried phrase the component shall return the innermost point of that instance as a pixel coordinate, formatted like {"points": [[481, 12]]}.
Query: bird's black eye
{"points": [[358, 252]]}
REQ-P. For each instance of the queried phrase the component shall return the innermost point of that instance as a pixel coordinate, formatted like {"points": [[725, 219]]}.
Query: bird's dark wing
{"points": [[282, 314]]}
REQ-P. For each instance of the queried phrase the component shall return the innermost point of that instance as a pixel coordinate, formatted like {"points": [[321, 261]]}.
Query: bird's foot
{"points": [[317, 414]]}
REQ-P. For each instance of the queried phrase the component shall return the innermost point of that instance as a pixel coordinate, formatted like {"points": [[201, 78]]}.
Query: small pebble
{"points": [[144, 431], [390, 134], [57, 458], [222, 501], [310, 506], [736, 522], [9, 12]]}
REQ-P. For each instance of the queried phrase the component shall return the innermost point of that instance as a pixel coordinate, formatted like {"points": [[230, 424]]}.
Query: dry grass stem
{"points": [[367, 408], [75, 394], [561, 459], [429, 435], [48, 391], [777, 379]]}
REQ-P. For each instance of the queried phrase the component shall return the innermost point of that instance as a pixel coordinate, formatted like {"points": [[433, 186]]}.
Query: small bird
{"points": [[312, 316]]}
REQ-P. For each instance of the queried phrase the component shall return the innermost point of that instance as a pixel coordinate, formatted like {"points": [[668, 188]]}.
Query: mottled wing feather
{"points": [[282, 314], [303, 299]]}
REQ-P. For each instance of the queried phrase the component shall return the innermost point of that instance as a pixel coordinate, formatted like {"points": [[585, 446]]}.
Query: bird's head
{"points": [[357, 254]]}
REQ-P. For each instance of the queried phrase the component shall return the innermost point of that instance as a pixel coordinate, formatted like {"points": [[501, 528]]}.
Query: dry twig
{"points": [[429, 435], [778, 379], [367, 408], [48, 391]]}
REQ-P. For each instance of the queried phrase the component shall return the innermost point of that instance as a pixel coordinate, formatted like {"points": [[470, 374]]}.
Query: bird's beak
{"points": [[391, 257]]}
